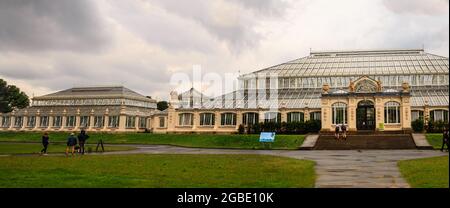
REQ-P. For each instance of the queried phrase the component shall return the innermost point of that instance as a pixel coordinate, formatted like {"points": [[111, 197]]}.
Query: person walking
{"points": [[45, 142], [71, 142], [82, 137], [445, 139]]}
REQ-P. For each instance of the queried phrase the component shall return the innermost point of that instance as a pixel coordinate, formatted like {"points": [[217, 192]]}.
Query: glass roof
{"points": [[335, 64], [96, 92], [358, 63], [302, 98]]}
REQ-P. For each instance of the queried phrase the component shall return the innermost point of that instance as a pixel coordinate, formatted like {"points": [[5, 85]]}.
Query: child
{"points": [[71, 142]]}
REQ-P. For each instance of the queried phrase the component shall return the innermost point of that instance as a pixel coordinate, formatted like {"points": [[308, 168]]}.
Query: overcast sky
{"points": [[50, 45]]}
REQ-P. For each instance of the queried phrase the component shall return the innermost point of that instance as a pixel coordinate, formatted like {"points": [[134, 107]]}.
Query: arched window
{"points": [[228, 119], [250, 118], [295, 117], [339, 113], [392, 112], [272, 117], [186, 119], [439, 115], [416, 115], [207, 119], [315, 116]]}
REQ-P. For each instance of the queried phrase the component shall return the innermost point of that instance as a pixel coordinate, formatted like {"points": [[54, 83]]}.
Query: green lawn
{"points": [[183, 171], [28, 148], [186, 140], [435, 140], [426, 173]]}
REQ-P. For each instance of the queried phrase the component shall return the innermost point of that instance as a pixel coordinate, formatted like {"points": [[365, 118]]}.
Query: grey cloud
{"points": [[149, 79], [265, 7], [167, 31], [238, 31], [428, 7], [38, 25], [21, 72]]}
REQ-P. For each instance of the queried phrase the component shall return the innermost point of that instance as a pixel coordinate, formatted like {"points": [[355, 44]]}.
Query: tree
{"points": [[11, 98], [162, 105]]}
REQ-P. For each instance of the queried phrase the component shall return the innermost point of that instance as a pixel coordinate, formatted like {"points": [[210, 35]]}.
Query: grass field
{"points": [[28, 148], [156, 171], [435, 140], [426, 173], [187, 140]]}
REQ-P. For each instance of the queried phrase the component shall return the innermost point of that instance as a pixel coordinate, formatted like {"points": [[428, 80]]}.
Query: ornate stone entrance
{"points": [[365, 115], [366, 106]]}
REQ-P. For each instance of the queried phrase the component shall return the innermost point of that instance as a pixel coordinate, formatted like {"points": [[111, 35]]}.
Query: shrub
{"points": [[313, 126], [417, 125], [283, 128], [254, 129], [241, 129], [296, 128], [436, 126]]}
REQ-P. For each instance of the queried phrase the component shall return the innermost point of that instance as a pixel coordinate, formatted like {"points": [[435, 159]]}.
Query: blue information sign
{"points": [[267, 137]]}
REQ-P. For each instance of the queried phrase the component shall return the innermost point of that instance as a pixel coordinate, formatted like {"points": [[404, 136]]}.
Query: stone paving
{"points": [[334, 168]]}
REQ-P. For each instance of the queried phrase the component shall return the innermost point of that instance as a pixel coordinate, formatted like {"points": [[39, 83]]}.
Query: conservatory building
{"points": [[112, 108], [367, 90]]}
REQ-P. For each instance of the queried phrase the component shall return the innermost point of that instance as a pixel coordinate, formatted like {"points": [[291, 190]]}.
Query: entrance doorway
{"points": [[365, 115]]}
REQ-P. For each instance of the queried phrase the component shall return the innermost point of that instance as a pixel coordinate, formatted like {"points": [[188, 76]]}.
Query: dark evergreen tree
{"points": [[11, 97]]}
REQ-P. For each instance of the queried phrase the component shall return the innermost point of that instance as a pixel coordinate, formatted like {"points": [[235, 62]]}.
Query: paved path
{"points": [[335, 169]]}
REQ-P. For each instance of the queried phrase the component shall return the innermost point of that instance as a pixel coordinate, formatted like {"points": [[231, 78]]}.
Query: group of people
{"points": [[445, 139], [72, 142], [340, 132]]}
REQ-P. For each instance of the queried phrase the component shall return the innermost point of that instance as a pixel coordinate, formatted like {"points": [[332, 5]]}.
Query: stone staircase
{"points": [[363, 140]]}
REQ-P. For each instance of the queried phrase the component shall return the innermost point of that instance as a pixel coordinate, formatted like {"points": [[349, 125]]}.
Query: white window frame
{"points": [[71, 121], [228, 119], [185, 119], [388, 108], [113, 121], [99, 121], [207, 119], [337, 108], [44, 121], [57, 121], [130, 122]]}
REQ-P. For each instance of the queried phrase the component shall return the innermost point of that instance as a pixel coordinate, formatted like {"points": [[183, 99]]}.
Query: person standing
{"points": [[337, 130], [82, 137], [45, 142], [445, 138], [344, 131], [71, 142]]}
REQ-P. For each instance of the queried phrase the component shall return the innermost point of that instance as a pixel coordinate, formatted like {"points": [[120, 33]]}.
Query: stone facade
{"points": [[388, 88], [106, 109], [379, 90]]}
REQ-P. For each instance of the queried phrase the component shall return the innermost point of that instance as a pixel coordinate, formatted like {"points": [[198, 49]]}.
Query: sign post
{"points": [[381, 126], [267, 138]]}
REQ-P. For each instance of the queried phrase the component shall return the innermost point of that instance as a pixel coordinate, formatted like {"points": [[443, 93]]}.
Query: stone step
{"points": [[356, 142], [367, 132]]}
